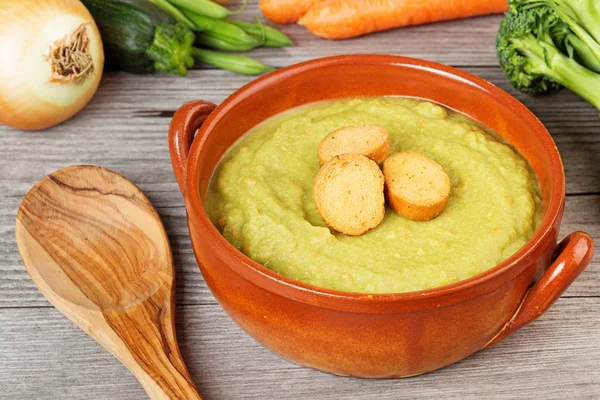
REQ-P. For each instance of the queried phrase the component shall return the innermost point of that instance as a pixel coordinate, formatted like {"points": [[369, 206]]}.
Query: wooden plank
{"points": [[45, 357], [124, 128]]}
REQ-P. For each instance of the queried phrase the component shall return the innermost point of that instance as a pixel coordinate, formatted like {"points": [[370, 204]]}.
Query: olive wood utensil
{"points": [[95, 247]]}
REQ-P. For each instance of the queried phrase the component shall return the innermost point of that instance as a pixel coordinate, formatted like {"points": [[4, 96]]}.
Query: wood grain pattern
{"points": [[46, 358], [42, 356], [94, 246]]}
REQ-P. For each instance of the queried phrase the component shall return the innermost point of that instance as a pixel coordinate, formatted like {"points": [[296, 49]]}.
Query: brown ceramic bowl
{"points": [[379, 335]]}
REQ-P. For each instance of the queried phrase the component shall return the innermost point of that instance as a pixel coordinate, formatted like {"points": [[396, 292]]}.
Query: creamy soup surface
{"points": [[260, 198]]}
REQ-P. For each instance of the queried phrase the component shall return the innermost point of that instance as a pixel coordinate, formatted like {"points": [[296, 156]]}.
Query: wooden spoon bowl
{"points": [[96, 248]]}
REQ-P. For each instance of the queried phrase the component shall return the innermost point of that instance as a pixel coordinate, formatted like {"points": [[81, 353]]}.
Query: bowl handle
{"points": [[574, 254], [186, 121]]}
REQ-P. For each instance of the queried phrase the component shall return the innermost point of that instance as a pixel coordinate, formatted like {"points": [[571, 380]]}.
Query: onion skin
{"points": [[28, 100]]}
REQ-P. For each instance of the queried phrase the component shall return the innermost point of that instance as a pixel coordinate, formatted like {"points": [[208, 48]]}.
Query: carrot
{"points": [[285, 11], [342, 19]]}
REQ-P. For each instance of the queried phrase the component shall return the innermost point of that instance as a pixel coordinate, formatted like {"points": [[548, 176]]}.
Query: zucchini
{"points": [[140, 37]]}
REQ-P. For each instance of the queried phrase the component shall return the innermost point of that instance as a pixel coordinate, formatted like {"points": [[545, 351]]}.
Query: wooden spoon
{"points": [[96, 248]]}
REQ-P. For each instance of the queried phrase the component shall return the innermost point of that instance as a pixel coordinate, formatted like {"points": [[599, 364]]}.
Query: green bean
{"points": [[232, 62], [171, 9], [204, 7], [205, 39], [222, 30], [272, 37]]}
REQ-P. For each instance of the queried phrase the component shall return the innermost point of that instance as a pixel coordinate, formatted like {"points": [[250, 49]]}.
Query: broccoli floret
{"points": [[520, 52], [536, 54]]}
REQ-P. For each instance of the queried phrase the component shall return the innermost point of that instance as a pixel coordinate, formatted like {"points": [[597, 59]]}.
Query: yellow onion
{"points": [[51, 61]]}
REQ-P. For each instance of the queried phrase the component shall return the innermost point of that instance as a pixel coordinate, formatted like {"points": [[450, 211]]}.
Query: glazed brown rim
{"points": [[386, 302]]}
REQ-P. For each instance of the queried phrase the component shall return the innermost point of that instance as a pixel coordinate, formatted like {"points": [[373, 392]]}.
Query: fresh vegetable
{"points": [[286, 11], [581, 52], [341, 19], [233, 62], [143, 37], [537, 50], [211, 42], [270, 37], [224, 31], [51, 61], [580, 32], [583, 18], [140, 37], [203, 7]]}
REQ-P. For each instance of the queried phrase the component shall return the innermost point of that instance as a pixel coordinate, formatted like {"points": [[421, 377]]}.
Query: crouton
{"points": [[416, 186], [371, 141], [348, 193]]}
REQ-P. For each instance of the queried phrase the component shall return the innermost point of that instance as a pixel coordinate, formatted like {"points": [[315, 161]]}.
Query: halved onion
{"points": [[51, 61]]}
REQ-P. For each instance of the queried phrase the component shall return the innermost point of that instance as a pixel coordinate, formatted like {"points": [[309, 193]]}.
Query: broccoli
{"points": [[546, 44], [583, 18]]}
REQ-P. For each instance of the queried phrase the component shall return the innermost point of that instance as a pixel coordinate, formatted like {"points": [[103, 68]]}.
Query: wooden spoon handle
{"points": [[148, 347], [143, 338]]}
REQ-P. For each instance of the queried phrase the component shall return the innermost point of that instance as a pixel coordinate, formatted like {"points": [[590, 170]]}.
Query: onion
{"points": [[51, 61]]}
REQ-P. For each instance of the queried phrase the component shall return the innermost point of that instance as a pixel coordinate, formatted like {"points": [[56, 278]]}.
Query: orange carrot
{"points": [[342, 19], [285, 11]]}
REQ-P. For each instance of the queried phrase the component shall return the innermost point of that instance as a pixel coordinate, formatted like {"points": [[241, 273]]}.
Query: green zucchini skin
{"points": [[130, 31]]}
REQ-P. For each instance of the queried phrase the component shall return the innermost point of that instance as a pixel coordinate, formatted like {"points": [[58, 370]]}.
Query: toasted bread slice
{"points": [[348, 193], [416, 186], [372, 141]]}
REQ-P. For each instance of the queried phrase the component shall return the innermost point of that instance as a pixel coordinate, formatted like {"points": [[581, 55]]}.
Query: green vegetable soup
{"points": [[260, 198]]}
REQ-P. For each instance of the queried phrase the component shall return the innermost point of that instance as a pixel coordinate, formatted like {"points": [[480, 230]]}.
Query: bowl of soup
{"points": [[407, 297]]}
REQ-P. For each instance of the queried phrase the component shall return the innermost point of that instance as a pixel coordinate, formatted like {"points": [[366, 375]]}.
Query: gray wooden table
{"points": [[124, 128]]}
